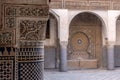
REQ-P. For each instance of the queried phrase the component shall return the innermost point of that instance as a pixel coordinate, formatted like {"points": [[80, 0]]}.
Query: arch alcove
{"points": [[51, 43], [85, 42], [117, 46]]}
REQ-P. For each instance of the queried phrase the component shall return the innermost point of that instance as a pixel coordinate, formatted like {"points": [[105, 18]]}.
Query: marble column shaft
{"points": [[63, 57], [110, 54]]}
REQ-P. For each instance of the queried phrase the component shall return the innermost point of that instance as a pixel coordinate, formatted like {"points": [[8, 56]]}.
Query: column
{"points": [[22, 38], [63, 32], [63, 56], [110, 54]]}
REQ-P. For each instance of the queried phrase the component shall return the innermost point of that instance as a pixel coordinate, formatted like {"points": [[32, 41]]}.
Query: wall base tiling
{"points": [[30, 70]]}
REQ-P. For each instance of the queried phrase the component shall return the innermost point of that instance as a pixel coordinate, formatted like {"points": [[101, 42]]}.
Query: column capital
{"points": [[64, 43], [110, 43]]}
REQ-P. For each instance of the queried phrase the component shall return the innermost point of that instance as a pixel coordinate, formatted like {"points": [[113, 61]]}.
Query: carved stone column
{"points": [[110, 54], [30, 56], [63, 56]]}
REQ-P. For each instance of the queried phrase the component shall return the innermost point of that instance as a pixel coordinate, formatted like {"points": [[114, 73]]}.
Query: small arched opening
{"points": [[117, 45], [51, 44]]}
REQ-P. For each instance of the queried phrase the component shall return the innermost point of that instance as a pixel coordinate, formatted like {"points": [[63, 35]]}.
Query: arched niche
{"points": [[85, 41], [117, 45], [51, 43]]}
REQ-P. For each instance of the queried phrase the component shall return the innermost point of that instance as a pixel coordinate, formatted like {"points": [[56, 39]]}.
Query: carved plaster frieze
{"points": [[32, 29]]}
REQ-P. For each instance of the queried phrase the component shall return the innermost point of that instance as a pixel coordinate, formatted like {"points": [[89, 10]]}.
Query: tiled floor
{"points": [[83, 75]]}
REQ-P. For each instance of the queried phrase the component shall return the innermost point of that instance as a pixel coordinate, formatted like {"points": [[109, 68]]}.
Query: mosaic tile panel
{"points": [[7, 68], [30, 54], [30, 71]]}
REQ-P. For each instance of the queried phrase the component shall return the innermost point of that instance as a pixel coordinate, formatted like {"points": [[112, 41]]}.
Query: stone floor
{"points": [[83, 75]]}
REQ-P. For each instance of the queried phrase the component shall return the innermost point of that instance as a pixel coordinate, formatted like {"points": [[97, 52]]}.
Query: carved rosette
{"points": [[7, 38], [10, 10]]}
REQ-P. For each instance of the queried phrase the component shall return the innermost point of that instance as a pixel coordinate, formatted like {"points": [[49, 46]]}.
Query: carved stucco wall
{"points": [[22, 32]]}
